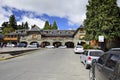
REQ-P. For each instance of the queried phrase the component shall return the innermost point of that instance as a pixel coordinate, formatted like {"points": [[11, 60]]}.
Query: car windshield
{"points": [[96, 53]]}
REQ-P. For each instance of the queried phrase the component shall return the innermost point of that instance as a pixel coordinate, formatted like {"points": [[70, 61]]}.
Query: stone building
{"points": [[56, 38]]}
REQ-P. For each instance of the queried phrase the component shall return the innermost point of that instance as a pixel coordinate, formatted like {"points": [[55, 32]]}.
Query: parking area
{"points": [[46, 64]]}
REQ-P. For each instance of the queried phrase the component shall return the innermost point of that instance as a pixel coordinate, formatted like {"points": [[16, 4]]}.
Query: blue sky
{"points": [[69, 14]]}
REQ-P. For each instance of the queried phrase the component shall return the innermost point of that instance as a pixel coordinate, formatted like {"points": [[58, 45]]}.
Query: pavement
{"points": [[11, 52], [44, 64]]}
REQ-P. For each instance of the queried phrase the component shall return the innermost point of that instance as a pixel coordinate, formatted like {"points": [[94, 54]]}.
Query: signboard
{"points": [[101, 38]]}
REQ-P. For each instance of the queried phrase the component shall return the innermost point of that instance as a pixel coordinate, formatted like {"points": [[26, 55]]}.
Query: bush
{"points": [[86, 46]]}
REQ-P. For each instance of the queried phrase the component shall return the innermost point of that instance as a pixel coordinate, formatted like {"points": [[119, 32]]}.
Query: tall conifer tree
{"points": [[12, 22], [47, 26], [54, 26], [102, 18]]}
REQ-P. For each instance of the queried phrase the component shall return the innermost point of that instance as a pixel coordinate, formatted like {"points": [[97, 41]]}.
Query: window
{"points": [[111, 62], [102, 59], [86, 53], [96, 53]]}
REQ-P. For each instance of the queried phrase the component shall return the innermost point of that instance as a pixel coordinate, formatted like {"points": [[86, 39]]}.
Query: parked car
{"points": [[88, 55], [32, 46], [114, 49], [78, 49], [21, 45], [10, 45], [49, 47], [107, 67], [62, 47]]}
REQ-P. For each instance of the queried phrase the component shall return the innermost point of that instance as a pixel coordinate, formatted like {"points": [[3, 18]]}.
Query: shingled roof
{"points": [[61, 33]]}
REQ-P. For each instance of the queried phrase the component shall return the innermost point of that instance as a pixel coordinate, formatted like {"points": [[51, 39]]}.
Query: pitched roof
{"points": [[58, 33]]}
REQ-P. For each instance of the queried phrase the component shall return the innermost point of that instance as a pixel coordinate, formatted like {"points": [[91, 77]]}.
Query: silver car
{"points": [[88, 55]]}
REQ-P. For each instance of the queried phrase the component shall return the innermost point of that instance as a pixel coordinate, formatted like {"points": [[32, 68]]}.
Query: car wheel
{"points": [[91, 74], [87, 66]]}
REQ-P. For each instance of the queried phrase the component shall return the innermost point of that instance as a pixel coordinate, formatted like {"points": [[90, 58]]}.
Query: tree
{"points": [[102, 18], [26, 25], [5, 24], [23, 26], [12, 22], [54, 26], [46, 26], [7, 30]]}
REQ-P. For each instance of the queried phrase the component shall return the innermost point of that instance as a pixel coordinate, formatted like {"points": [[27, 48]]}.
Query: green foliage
{"points": [[54, 26], [102, 18], [11, 25], [26, 25], [86, 46], [12, 22], [7, 30], [23, 26], [5, 24], [48, 26]]}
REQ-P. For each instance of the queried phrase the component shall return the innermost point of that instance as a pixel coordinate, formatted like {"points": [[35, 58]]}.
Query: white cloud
{"points": [[32, 20], [4, 14], [73, 10]]}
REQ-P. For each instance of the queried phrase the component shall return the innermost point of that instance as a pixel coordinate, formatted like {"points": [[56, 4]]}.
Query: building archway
{"points": [[69, 44], [14, 42], [57, 44], [35, 43], [45, 43]]}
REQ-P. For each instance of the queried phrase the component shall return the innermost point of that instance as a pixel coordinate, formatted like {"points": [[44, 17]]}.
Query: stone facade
{"points": [[56, 38]]}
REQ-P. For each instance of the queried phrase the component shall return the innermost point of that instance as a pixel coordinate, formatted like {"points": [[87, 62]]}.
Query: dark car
{"points": [[114, 49], [107, 67], [22, 45]]}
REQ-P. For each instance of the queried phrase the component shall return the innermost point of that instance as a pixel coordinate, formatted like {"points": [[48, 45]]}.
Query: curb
{"points": [[21, 53]]}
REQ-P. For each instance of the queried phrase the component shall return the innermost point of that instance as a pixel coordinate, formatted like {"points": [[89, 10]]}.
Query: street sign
{"points": [[101, 38]]}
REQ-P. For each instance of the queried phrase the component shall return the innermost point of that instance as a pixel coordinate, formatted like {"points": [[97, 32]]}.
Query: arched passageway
{"points": [[69, 44], [14, 42], [57, 44], [35, 43], [45, 43]]}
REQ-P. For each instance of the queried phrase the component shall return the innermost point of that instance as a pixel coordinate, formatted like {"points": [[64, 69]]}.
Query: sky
{"points": [[69, 14]]}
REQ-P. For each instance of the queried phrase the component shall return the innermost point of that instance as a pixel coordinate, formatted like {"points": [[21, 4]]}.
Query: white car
{"points": [[10, 45], [88, 55], [49, 46], [32, 46], [62, 47], [78, 49]]}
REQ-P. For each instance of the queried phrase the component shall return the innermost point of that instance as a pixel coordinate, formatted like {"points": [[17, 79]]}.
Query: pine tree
{"points": [[46, 26], [26, 25], [102, 18], [5, 24], [12, 22], [54, 26]]}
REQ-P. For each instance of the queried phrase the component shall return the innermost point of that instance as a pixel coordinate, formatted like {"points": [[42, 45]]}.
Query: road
{"points": [[46, 64]]}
